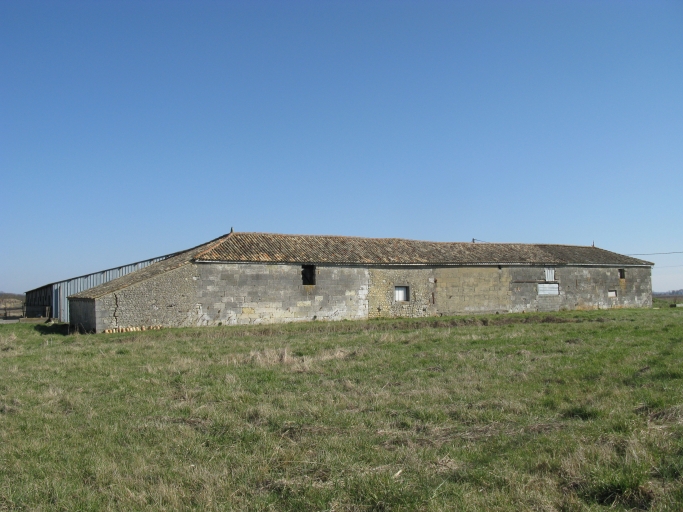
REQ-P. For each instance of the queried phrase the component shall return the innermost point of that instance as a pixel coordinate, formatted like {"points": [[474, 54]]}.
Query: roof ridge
{"points": [[275, 247], [291, 235], [210, 245]]}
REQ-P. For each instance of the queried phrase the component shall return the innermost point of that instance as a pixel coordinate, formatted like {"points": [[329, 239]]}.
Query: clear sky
{"points": [[134, 129]]}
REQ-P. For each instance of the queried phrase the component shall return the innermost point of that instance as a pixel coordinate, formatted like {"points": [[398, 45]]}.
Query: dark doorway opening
{"points": [[308, 275]]}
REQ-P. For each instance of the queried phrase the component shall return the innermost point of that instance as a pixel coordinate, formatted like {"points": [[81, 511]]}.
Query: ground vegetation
{"points": [[566, 411]]}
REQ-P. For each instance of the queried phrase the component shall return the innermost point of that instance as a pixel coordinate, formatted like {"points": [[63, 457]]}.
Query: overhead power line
{"points": [[474, 240], [653, 253]]}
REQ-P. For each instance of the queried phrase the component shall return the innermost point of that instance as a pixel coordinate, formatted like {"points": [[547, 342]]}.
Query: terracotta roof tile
{"points": [[177, 260], [273, 248], [322, 249]]}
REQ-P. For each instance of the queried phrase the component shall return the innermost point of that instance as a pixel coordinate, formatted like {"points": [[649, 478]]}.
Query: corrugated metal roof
{"points": [[340, 250], [55, 294], [174, 261]]}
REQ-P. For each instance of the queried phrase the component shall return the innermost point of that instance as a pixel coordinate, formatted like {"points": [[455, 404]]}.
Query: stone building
{"points": [[249, 278]]}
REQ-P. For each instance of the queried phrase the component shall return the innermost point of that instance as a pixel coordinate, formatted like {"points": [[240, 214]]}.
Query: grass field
{"points": [[568, 411], [667, 301]]}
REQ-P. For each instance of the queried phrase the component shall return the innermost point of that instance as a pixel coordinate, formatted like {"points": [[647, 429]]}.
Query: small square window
{"points": [[308, 275], [612, 293], [549, 274], [401, 294], [622, 273]]}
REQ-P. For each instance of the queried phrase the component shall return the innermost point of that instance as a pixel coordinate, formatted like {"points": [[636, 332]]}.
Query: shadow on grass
{"points": [[581, 412], [53, 329], [626, 490]]}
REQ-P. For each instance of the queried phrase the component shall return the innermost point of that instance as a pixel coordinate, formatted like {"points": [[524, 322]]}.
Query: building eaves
{"points": [[343, 250], [177, 260], [274, 248], [102, 271]]}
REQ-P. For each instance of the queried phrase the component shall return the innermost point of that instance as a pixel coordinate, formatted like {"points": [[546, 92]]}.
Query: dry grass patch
{"points": [[562, 412], [286, 358]]}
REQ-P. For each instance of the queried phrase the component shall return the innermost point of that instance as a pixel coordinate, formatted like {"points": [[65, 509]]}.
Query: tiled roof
{"points": [[178, 260], [321, 249], [273, 248]]}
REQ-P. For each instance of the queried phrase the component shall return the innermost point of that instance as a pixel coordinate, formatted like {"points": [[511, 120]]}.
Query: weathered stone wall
{"points": [[215, 293], [472, 289], [167, 299], [581, 288], [269, 293], [459, 290], [82, 314], [381, 296]]}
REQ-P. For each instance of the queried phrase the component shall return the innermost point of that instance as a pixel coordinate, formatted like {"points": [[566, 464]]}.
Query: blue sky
{"points": [[134, 129]]}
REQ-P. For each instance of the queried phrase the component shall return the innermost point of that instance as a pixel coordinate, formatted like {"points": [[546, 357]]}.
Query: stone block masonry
{"points": [[229, 294], [207, 293], [581, 287], [167, 299], [472, 289], [268, 293], [381, 294]]}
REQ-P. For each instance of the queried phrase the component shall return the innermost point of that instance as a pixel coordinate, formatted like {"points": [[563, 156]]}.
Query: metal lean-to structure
{"points": [[51, 300]]}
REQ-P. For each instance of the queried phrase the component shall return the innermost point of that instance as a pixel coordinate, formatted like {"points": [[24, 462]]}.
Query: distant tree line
{"points": [[668, 294], [12, 296]]}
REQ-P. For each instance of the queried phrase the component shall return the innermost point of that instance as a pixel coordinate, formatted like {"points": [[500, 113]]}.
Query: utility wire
{"points": [[653, 253], [637, 254], [668, 266]]}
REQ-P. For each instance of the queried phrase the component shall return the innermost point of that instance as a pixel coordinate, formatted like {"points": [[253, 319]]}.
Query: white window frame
{"points": [[402, 291]]}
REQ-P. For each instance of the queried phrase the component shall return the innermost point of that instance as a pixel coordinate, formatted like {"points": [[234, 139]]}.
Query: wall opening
{"points": [[612, 293], [401, 294], [549, 274], [622, 273], [308, 275]]}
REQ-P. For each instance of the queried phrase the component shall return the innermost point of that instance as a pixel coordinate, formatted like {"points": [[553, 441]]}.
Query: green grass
{"points": [[562, 412], [666, 302]]}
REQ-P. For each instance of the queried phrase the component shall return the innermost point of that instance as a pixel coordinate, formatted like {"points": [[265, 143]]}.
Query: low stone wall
{"points": [[168, 299]]}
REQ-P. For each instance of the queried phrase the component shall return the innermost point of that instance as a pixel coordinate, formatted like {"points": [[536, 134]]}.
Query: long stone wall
{"points": [[269, 293], [459, 290], [216, 293]]}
